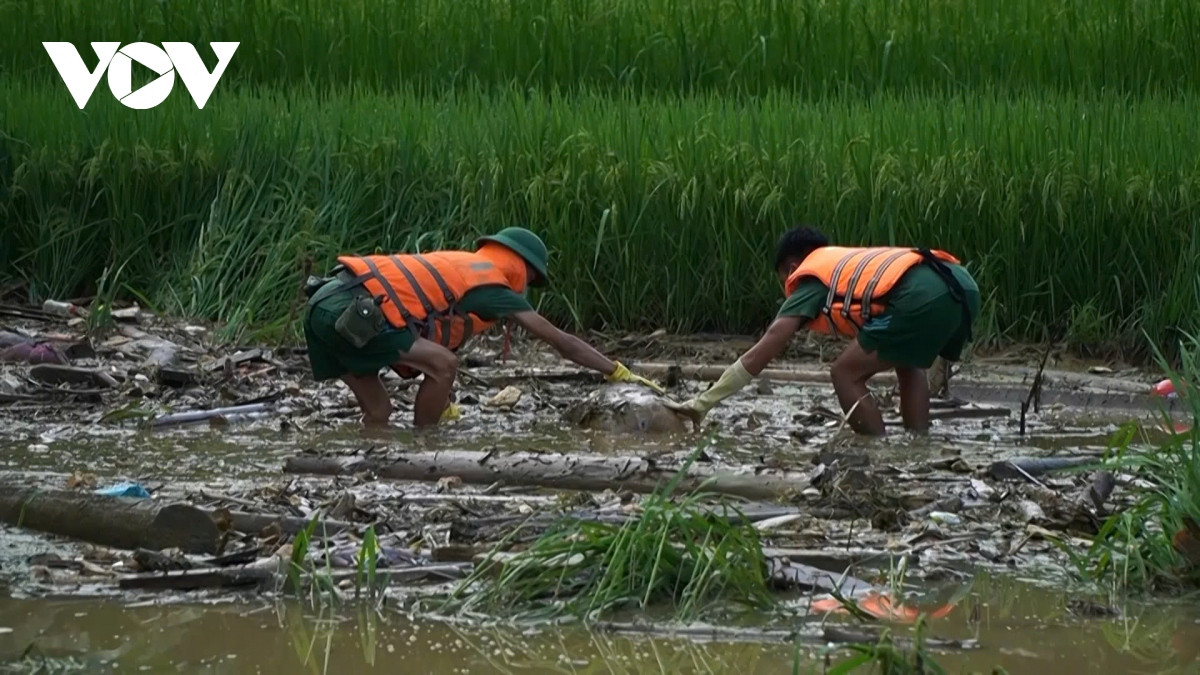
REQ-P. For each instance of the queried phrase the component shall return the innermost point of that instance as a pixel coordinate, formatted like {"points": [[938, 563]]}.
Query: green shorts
{"points": [[922, 320], [330, 355]]}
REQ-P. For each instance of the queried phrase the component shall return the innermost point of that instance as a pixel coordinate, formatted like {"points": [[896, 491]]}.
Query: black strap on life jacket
{"points": [[956, 290]]}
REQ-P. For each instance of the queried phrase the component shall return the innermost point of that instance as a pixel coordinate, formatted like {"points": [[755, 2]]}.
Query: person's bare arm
{"points": [[568, 346], [772, 344]]}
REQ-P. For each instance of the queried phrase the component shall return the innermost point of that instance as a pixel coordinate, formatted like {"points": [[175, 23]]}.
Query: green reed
{"points": [[1153, 543], [659, 212], [814, 47]]}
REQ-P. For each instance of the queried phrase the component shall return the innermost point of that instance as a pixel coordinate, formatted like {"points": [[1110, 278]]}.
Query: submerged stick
{"points": [[750, 634], [202, 415], [561, 471], [1025, 467], [191, 580]]}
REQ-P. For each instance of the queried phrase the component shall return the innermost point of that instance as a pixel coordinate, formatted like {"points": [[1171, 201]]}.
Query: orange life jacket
{"points": [[422, 291], [858, 279]]}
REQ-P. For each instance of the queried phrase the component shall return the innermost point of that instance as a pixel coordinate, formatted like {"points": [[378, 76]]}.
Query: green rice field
{"points": [[659, 146]]}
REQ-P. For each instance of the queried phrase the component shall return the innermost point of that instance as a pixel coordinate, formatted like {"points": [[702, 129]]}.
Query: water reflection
{"points": [[1024, 629]]}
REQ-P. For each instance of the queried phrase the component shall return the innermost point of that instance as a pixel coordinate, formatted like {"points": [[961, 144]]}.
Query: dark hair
{"points": [[798, 243]]}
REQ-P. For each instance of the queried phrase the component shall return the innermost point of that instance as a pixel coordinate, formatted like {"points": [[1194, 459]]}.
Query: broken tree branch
{"points": [[561, 471]]}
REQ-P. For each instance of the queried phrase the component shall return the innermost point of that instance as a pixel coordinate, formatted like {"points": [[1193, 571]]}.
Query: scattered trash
{"points": [[32, 352], [124, 490], [882, 607], [57, 374], [1165, 389], [943, 518], [63, 309], [505, 398], [127, 313]]}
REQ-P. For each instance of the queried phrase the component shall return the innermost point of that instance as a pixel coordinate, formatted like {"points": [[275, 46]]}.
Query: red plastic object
{"points": [[1165, 388]]}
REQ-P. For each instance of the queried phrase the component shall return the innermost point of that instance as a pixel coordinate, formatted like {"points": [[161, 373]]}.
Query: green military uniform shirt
{"points": [[921, 322], [332, 356]]}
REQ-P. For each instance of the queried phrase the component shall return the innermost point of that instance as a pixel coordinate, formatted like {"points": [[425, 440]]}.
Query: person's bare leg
{"points": [[440, 367], [850, 373], [914, 398], [372, 398]]}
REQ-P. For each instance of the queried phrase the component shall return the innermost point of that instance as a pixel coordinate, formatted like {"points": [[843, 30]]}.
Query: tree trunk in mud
{"points": [[569, 472], [118, 522]]}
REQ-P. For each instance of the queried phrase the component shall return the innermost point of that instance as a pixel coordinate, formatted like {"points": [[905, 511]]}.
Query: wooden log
{"points": [[118, 522], [561, 471]]}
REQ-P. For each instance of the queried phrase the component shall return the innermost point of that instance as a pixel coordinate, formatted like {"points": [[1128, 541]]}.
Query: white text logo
{"points": [[172, 57]]}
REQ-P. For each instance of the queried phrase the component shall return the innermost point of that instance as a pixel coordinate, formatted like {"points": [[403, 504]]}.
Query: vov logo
{"points": [[167, 60]]}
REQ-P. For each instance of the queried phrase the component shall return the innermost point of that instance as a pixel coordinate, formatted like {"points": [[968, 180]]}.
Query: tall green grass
{"points": [[814, 47], [672, 554], [659, 212]]}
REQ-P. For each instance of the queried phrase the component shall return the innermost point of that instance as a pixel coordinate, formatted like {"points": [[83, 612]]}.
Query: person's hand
{"points": [[451, 413], [693, 409], [623, 374]]}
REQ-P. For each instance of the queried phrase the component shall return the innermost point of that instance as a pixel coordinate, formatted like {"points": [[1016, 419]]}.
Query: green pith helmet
{"points": [[527, 245]]}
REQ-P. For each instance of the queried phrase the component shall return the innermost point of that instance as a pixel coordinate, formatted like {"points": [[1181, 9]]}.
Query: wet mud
{"points": [[936, 503]]}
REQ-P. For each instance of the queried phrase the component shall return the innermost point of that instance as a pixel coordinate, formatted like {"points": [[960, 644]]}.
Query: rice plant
{"points": [[646, 204], [672, 554], [751, 47]]}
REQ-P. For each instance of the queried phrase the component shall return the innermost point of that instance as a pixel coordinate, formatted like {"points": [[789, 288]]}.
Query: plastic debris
{"points": [[63, 309], [1166, 389], [943, 518], [125, 490]]}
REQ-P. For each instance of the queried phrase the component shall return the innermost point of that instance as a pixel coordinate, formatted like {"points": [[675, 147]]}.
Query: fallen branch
{"points": [[405, 575], [191, 580], [109, 521], [844, 636], [561, 471], [253, 523], [738, 634]]}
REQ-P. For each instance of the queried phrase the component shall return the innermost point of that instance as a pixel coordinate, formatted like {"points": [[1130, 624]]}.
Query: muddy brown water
{"points": [[1023, 619], [1021, 627]]}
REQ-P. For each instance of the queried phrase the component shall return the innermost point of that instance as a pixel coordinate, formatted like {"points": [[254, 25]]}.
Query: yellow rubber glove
{"points": [[732, 380], [623, 374], [451, 413]]}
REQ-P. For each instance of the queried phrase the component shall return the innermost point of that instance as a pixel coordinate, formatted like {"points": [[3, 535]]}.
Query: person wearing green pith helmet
{"points": [[413, 312], [901, 307]]}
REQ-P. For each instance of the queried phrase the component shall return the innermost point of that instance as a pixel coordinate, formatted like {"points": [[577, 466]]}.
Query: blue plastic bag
{"points": [[124, 490]]}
